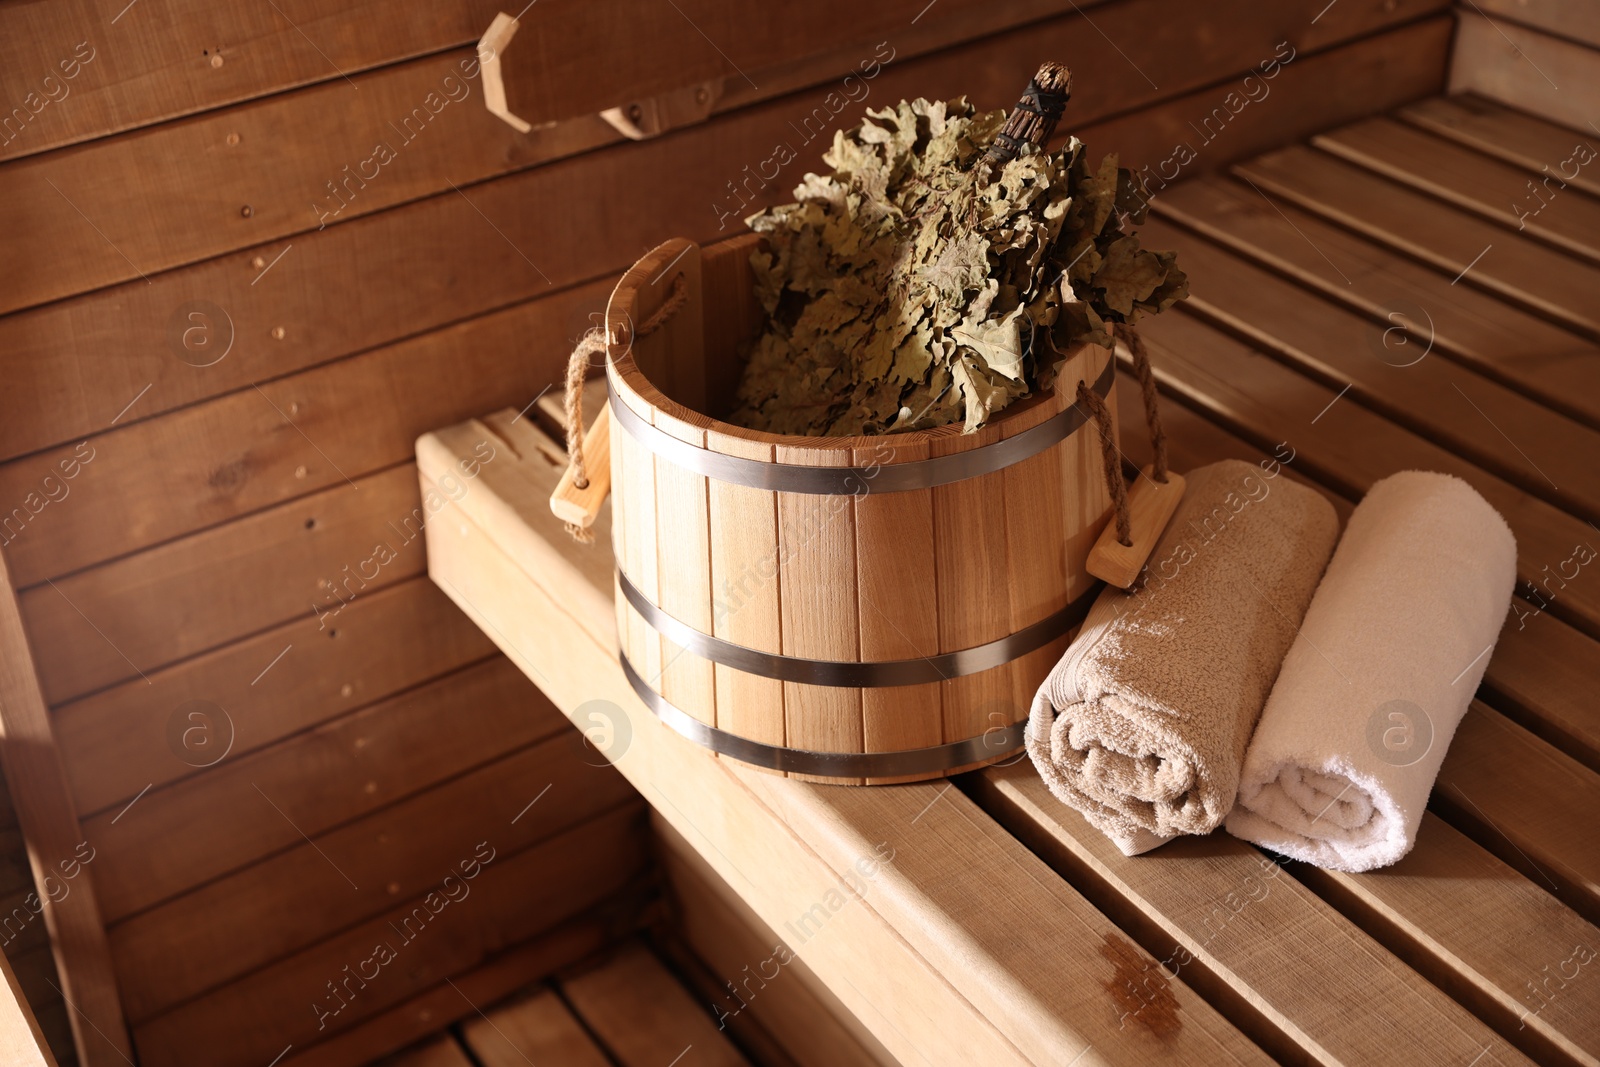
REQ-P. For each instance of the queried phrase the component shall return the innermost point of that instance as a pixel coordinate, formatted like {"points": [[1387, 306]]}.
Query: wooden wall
{"points": [[251, 252], [1542, 56]]}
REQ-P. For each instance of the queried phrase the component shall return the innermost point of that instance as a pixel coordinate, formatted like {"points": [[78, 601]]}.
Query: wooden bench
{"points": [[1367, 302]]}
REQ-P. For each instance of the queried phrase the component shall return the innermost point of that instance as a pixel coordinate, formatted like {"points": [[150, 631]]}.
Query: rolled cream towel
{"points": [[1142, 725], [1396, 641]]}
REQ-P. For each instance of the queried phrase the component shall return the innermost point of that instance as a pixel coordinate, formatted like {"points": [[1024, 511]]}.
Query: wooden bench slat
{"points": [[1568, 219], [1542, 669], [1515, 136], [459, 998], [1517, 795], [535, 1029], [440, 1052], [1218, 906], [785, 844], [1480, 253], [1517, 348], [1543, 676], [642, 1015], [1442, 401], [1488, 943], [239, 811], [1349, 447], [1434, 921]]}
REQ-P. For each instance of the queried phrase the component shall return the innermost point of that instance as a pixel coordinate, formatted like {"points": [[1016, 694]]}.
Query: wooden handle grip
{"points": [[580, 506], [1150, 506]]}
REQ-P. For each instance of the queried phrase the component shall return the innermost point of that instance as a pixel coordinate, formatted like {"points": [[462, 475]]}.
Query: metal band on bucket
{"points": [[993, 743], [884, 478], [853, 674]]}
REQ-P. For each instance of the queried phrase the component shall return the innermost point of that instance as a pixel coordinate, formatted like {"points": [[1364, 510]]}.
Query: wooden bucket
{"points": [[844, 609]]}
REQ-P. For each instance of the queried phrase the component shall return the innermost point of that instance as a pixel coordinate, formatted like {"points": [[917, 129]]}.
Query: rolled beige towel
{"points": [[1392, 650], [1142, 725]]}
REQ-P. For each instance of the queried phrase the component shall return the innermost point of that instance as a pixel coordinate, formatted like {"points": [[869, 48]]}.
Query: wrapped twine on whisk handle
{"points": [[1034, 118]]}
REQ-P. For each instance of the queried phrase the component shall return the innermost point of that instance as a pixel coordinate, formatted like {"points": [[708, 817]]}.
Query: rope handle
{"points": [[591, 344], [1110, 455], [1142, 511]]}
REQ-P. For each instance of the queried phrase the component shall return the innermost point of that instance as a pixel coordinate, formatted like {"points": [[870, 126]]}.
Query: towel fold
{"points": [[1142, 725], [1391, 651]]}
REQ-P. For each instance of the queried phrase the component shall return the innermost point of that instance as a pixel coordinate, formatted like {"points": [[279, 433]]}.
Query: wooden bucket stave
{"points": [[855, 625]]}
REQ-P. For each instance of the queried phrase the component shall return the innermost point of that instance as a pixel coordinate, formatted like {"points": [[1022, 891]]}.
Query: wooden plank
{"points": [[1493, 767], [744, 574], [1534, 71], [1510, 792], [1174, 140], [263, 53], [440, 1052], [115, 743], [157, 63], [971, 578], [1542, 669], [260, 446], [419, 266], [682, 537], [380, 139], [516, 501], [1056, 502], [35, 975], [1440, 930], [308, 556], [759, 1046], [1514, 347], [55, 1020], [1348, 447], [637, 1009], [1214, 909], [1532, 203], [898, 608], [459, 998], [360, 146], [21, 911], [1500, 951], [758, 979], [1509, 264], [180, 949], [244, 809], [1541, 677], [511, 899], [633, 485], [817, 597], [1441, 401], [534, 1029], [56, 844], [926, 989], [21, 1041], [1572, 19], [1521, 139]]}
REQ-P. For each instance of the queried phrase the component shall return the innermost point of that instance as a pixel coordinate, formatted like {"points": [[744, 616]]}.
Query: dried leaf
{"points": [[912, 286]]}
